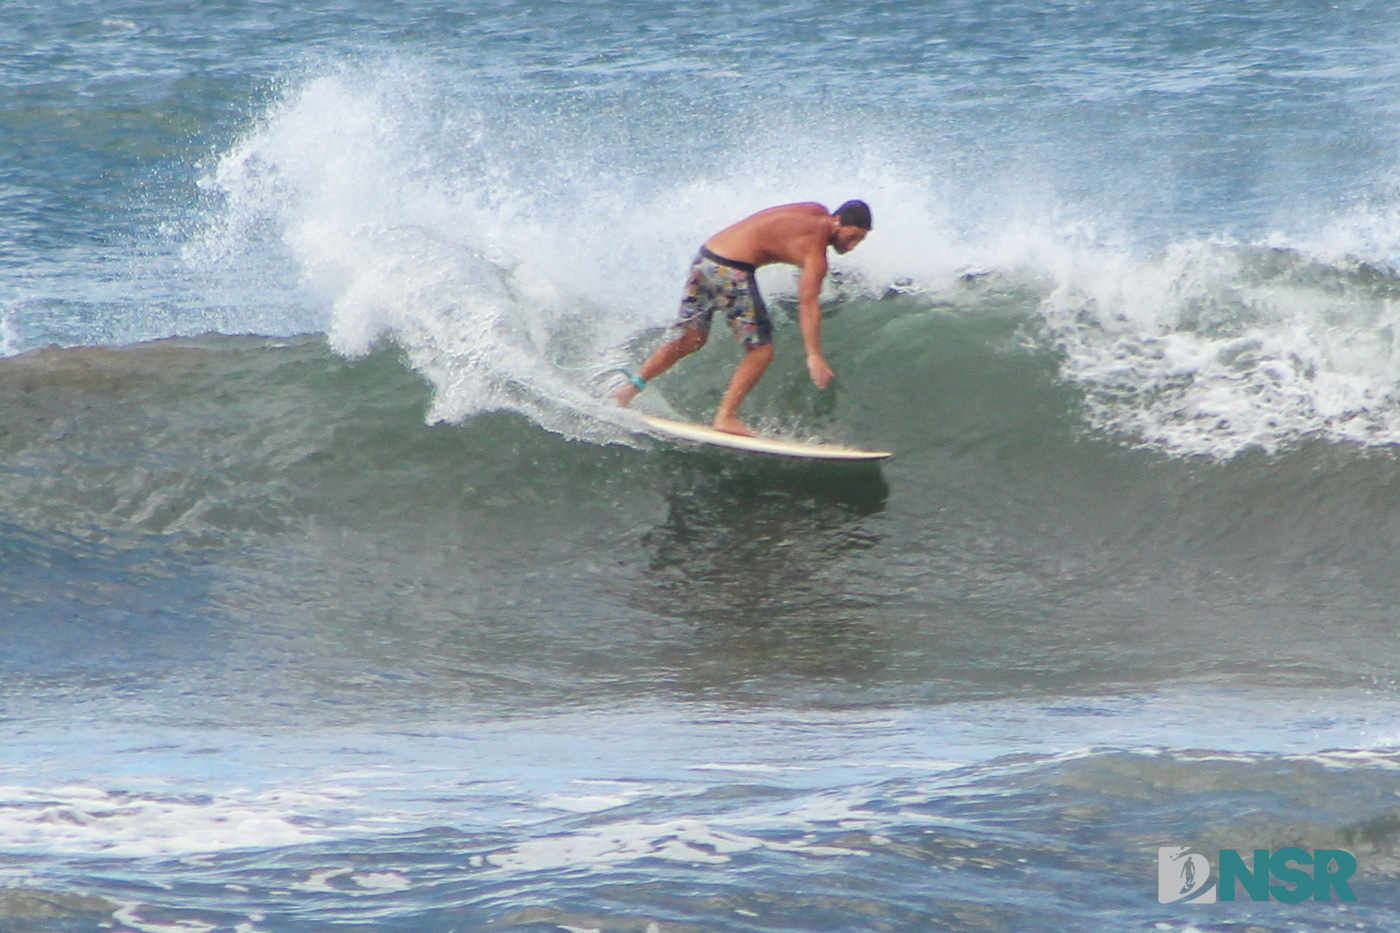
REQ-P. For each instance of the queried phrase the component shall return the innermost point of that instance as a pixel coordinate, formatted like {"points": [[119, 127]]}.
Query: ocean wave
{"points": [[515, 270]]}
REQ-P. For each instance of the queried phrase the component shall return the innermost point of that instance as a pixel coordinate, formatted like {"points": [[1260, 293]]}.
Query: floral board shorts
{"points": [[719, 284]]}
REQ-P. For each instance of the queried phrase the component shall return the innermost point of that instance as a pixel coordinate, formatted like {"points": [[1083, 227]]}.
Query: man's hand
{"points": [[820, 372]]}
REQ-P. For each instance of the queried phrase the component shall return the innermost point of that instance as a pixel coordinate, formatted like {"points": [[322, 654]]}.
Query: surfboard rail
{"points": [[701, 434]]}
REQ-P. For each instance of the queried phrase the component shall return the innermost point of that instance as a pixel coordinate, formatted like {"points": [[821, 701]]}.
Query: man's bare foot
{"points": [[731, 425]]}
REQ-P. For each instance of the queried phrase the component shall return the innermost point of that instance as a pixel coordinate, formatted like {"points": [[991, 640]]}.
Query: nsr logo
{"points": [[1183, 877]]}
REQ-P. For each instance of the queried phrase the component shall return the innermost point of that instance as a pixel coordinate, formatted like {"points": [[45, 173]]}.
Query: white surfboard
{"points": [[700, 434]]}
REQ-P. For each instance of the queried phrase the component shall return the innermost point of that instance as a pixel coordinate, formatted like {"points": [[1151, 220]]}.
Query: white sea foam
{"points": [[1212, 348], [381, 882], [104, 822], [129, 915], [586, 803], [331, 880], [684, 840]]}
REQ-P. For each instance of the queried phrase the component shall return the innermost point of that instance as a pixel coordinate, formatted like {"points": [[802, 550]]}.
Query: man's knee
{"points": [[692, 339]]}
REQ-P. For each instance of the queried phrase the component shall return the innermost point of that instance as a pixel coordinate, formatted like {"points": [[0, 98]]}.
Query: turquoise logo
{"points": [[1184, 877]]}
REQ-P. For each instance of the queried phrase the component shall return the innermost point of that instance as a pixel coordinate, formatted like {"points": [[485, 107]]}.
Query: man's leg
{"points": [[666, 356], [751, 369]]}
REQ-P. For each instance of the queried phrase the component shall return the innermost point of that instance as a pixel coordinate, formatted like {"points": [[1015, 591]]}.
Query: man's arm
{"points": [[809, 314]]}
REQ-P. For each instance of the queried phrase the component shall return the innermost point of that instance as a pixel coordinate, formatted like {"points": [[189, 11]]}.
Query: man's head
{"points": [[852, 224]]}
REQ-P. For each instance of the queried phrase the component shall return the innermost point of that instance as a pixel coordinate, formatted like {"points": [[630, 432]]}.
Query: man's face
{"points": [[846, 239]]}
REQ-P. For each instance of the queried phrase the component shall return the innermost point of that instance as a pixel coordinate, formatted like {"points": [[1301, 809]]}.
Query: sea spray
{"points": [[418, 216]]}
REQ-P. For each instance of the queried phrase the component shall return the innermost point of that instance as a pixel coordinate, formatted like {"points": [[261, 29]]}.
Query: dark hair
{"points": [[854, 214]]}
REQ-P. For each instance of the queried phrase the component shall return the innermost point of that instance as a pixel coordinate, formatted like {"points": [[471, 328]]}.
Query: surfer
{"points": [[722, 279]]}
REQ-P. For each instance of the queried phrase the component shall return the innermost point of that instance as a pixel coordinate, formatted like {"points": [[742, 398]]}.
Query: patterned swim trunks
{"points": [[719, 284]]}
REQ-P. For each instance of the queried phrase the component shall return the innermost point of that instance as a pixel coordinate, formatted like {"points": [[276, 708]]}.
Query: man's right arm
{"points": [[809, 315]]}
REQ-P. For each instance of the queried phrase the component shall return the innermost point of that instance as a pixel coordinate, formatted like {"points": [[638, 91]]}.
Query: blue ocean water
{"points": [[336, 593]]}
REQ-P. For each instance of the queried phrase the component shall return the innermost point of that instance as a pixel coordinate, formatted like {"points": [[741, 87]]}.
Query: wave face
{"points": [[334, 591], [1001, 505]]}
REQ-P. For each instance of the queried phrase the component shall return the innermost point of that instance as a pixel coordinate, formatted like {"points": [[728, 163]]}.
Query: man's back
{"points": [[789, 233]]}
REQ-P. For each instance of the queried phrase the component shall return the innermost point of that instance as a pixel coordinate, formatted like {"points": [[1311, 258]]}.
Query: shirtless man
{"points": [[722, 279]]}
